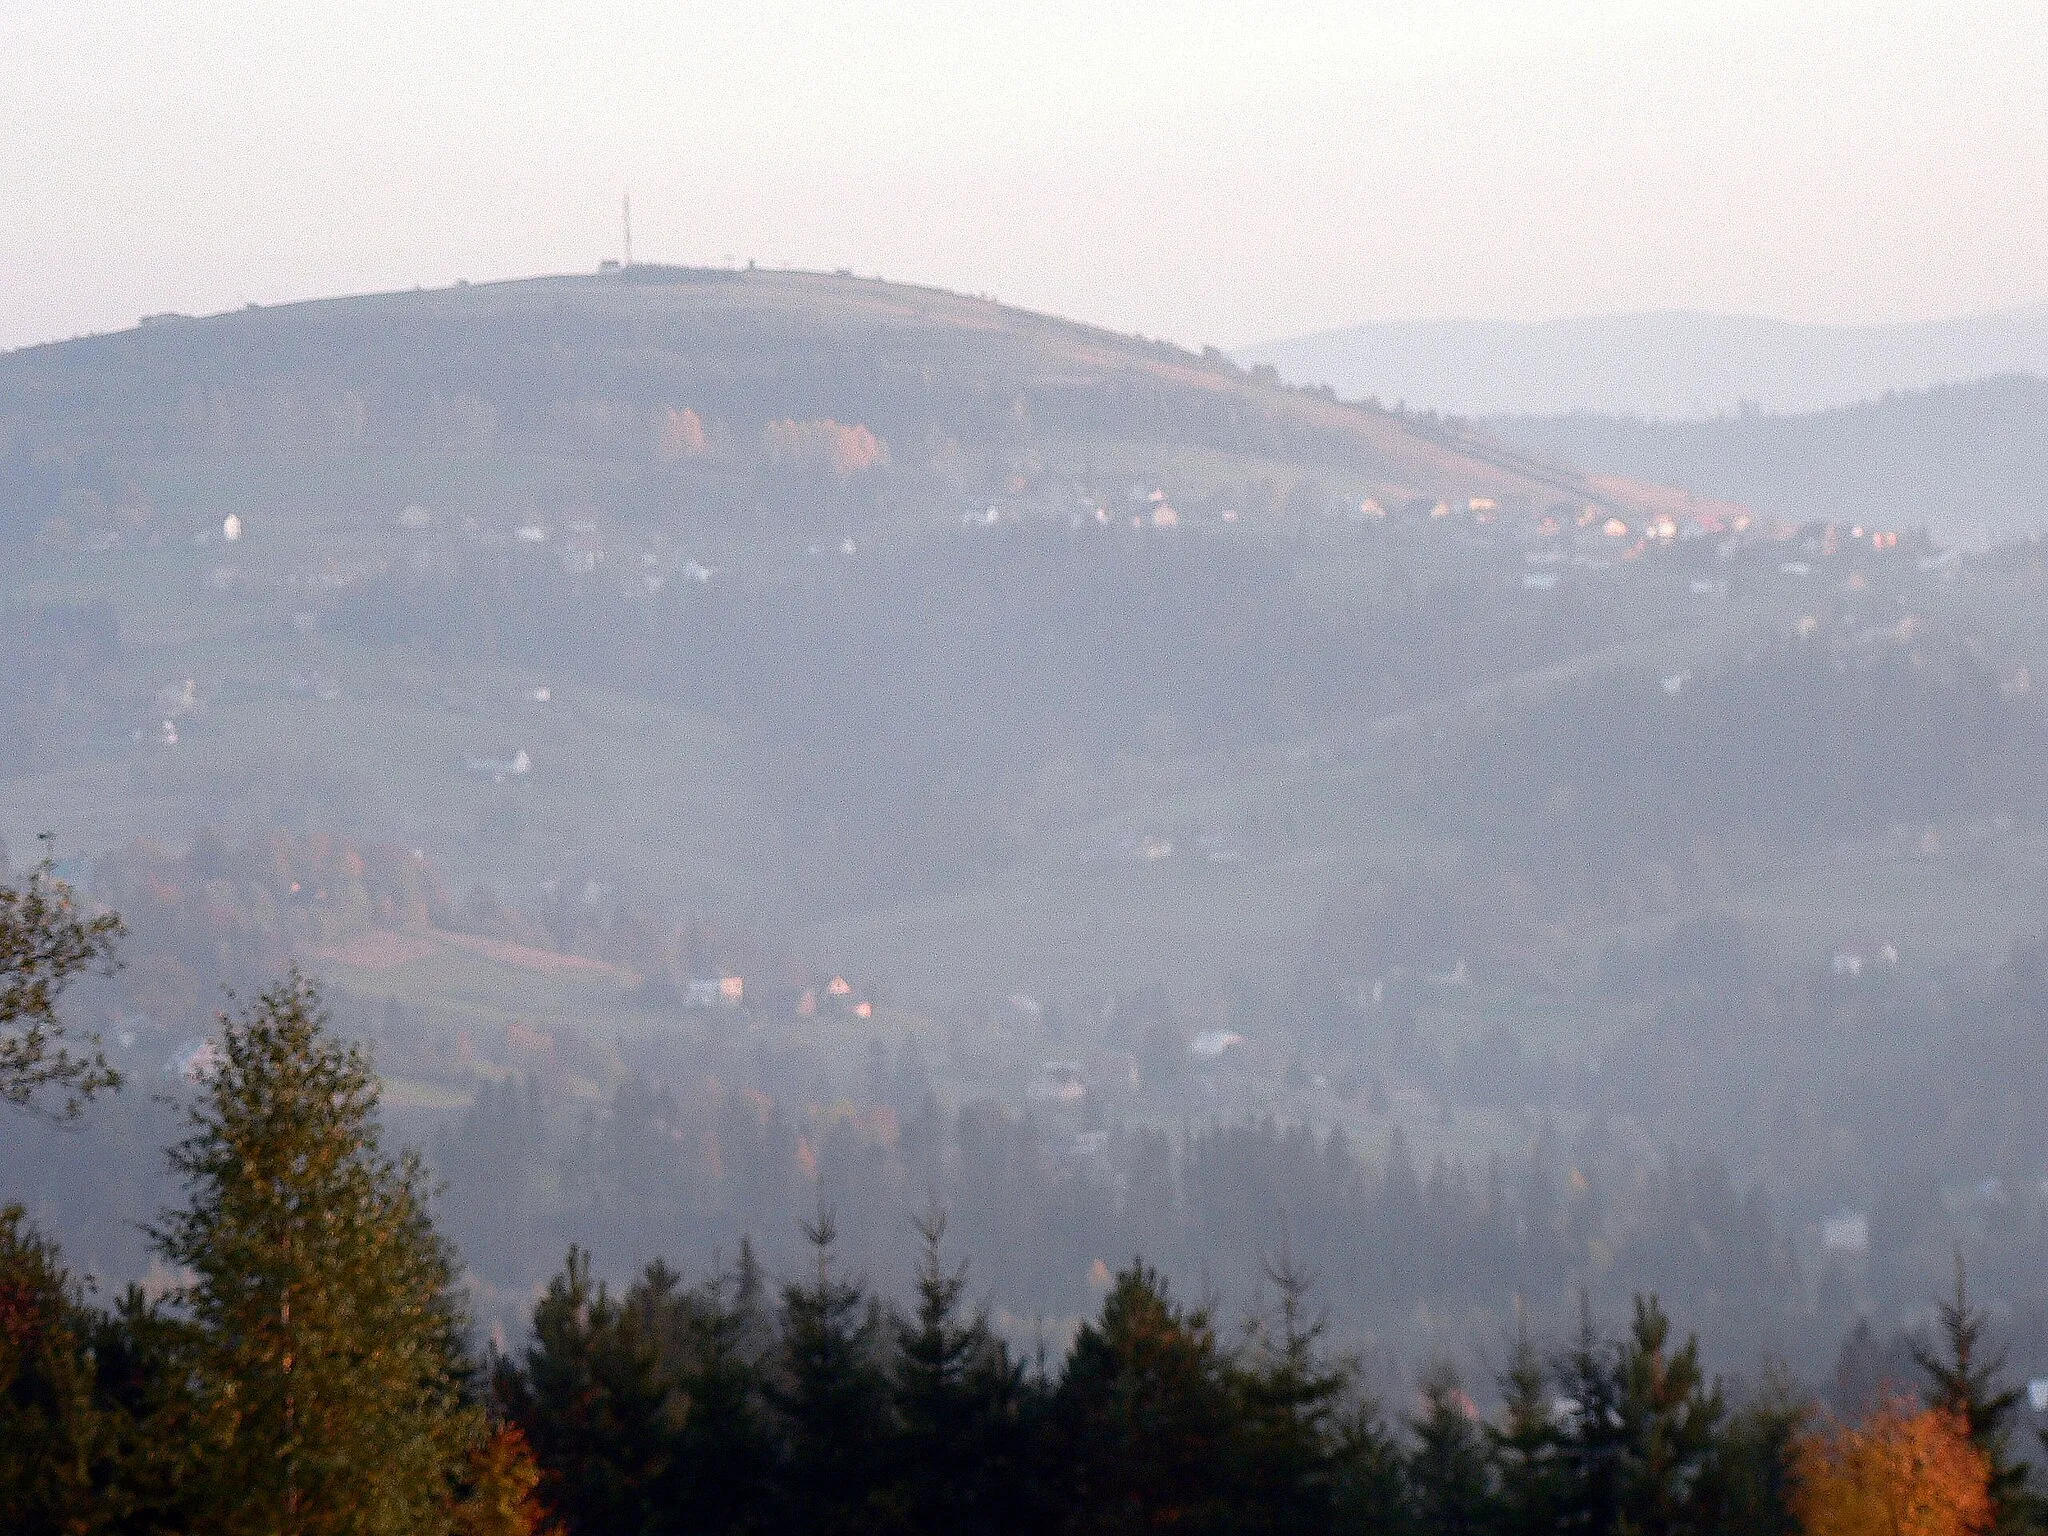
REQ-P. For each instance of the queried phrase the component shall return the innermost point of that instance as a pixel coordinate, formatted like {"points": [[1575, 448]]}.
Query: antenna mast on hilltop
{"points": [[626, 217]]}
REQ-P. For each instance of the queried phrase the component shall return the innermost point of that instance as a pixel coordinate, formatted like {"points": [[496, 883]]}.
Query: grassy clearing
{"points": [[1979, 892], [463, 988]]}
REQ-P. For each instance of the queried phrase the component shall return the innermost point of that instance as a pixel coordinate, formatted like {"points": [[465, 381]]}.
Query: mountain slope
{"points": [[585, 366], [1969, 461], [1678, 365]]}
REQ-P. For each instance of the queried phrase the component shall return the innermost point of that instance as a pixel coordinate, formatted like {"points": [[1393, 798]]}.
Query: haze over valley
{"points": [[1449, 916], [1669, 366], [694, 682]]}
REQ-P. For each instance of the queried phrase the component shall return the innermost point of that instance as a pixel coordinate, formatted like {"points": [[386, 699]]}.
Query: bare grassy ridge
{"points": [[747, 347]]}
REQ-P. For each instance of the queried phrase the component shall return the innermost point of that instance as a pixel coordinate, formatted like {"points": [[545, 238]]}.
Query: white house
{"points": [[1848, 1233], [1057, 1082], [499, 769]]}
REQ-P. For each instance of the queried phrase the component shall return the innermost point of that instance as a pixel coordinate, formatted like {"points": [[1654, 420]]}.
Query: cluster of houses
{"points": [[1067, 1081], [578, 542], [1145, 506], [1367, 994], [715, 992], [1594, 541], [837, 998], [1555, 540], [1586, 535]]}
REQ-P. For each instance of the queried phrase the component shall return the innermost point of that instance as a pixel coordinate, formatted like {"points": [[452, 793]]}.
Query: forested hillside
{"points": [[1965, 460]]}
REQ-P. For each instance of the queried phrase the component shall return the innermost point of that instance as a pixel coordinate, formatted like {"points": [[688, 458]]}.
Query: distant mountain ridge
{"points": [[1674, 365], [1967, 461]]}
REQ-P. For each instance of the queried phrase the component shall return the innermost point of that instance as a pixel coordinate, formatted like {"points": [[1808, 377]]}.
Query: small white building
{"points": [[499, 769], [715, 991], [195, 1061], [1057, 1082], [1847, 1234]]}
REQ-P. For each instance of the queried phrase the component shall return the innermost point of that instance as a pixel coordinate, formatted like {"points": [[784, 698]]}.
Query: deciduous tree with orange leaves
{"points": [[498, 1496], [1905, 1471]]}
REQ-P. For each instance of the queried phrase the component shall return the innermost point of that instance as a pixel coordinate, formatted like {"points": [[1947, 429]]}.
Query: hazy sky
{"points": [[1221, 173]]}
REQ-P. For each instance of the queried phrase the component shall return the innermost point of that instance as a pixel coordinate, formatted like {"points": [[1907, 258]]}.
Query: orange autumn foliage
{"points": [[1905, 1471], [500, 1499], [679, 434], [823, 446]]}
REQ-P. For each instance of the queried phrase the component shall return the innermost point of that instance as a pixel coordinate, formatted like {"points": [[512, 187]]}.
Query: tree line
{"points": [[310, 1370], [736, 1406]]}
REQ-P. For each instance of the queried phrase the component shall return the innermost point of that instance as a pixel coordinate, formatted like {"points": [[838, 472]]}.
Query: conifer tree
{"points": [[1671, 1417], [832, 1398], [93, 1436], [1963, 1382], [54, 1443], [1290, 1409], [724, 1458], [1524, 1444], [591, 1401], [1372, 1475], [959, 1403], [1143, 1416], [1593, 1442], [1759, 1451], [327, 1366], [1448, 1472]]}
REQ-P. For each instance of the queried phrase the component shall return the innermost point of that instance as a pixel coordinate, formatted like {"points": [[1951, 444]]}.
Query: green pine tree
{"points": [[1757, 1458], [1143, 1418], [590, 1396], [142, 1357], [960, 1403], [1964, 1380], [833, 1399], [1448, 1473], [1672, 1418], [1372, 1475], [327, 1368], [1593, 1442], [1291, 1404], [725, 1452], [93, 1432], [55, 1444], [1524, 1444]]}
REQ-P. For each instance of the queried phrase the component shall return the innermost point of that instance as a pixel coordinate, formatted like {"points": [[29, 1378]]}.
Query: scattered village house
{"points": [[499, 769], [716, 991]]}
